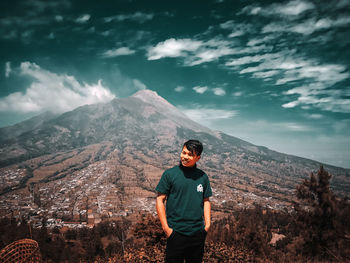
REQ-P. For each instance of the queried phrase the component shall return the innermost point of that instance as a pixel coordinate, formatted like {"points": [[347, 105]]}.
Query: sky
{"points": [[273, 73]]}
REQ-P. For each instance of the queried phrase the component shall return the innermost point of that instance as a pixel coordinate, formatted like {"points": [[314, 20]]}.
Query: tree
{"points": [[319, 216]]}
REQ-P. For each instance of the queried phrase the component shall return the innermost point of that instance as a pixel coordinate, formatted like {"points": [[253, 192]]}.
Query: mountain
{"points": [[28, 125], [108, 158], [144, 114]]}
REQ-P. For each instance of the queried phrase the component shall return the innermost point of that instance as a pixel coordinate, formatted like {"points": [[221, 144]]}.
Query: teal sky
{"points": [[274, 73]]}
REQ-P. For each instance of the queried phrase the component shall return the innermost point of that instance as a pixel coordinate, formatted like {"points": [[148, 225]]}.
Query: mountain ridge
{"points": [[151, 98]]}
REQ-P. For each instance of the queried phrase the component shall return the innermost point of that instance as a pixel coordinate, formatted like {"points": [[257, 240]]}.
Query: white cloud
{"points": [[257, 41], [292, 8], [200, 89], [293, 70], [138, 84], [123, 51], [194, 52], [7, 69], [227, 25], [265, 74], [219, 91], [275, 27], [137, 17], [291, 104], [330, 73], [237, 93], [314, 116], [202, 115], [83, 19], [249, 59], [173, 48], [237, 33], [327, 75], [316, 95], [208, 55], [295, 127], [237, 29], [307, 27], [328, 103], [251, 10], [59, 18], [310, 26], [54, 92], [203, 89], [179, 88]]}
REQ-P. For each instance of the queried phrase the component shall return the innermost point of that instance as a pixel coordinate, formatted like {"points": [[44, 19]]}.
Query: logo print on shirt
{"points": [[200, 188]]}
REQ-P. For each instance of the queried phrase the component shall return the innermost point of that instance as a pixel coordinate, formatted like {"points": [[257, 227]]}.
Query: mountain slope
{"points": [[145, 114], [114, 153], [13, 131]]}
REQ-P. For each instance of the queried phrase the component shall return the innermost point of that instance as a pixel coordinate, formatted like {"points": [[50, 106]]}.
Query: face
{"points": [[188, 159]]}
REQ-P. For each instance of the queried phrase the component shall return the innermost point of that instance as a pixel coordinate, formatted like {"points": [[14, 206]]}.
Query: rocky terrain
{"points": [[107, 159]]}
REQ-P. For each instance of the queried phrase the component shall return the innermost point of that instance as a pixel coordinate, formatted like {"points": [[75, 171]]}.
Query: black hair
{"points": [[194, 146]]}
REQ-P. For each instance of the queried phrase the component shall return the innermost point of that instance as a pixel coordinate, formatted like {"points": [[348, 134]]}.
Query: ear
{"points": [[198, 157]]}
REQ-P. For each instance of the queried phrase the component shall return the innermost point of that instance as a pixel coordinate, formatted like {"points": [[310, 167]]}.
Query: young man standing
{"points": [[186, 217]]}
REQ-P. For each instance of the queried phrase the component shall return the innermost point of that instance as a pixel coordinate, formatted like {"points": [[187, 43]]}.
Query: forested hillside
{"points": [[317, 230]]}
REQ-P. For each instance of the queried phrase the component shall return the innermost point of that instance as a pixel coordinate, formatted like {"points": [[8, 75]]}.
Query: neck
{"points": [[185, 168]]}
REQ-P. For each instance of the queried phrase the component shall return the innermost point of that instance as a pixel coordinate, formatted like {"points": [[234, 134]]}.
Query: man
{"points": [[186, 190]]}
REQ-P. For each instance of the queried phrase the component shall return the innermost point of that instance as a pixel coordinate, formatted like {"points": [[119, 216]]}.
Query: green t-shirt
{"points": [[185, 189]]}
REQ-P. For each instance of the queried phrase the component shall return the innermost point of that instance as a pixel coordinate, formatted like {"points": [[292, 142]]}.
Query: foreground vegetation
{"points": [[317, 230]]}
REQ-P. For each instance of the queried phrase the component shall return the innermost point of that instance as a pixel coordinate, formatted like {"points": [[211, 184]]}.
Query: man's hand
{"points": [[161, 214], [207, 214], [168, 232]]}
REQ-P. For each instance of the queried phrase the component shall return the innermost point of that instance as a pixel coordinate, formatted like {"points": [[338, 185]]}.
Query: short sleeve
{"points": [[207, 189], [164, 184]]}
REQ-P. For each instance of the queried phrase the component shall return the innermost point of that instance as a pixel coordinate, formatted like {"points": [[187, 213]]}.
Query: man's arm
{"points": [[162, 215], [206, 214]]}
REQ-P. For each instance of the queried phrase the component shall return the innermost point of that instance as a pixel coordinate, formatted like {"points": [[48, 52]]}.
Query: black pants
{"points": [[189, 248]]}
